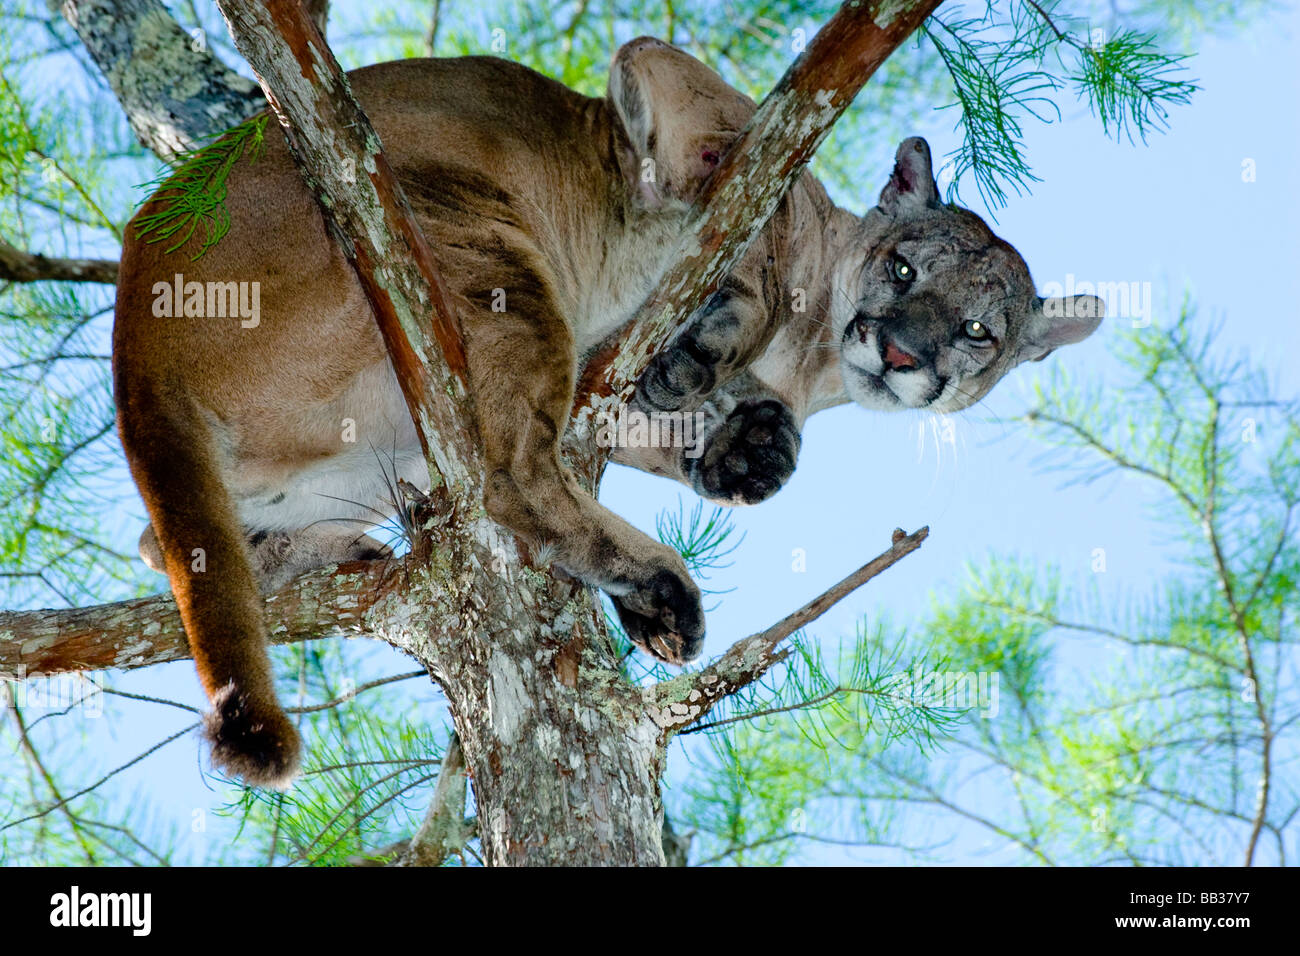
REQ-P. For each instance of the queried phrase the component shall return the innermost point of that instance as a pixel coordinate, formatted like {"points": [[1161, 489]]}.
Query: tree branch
{"points": [[677, 846], [19, 266], [143, 53], [688, 697], [443, 831], [342, 159], [331, 602], [431, 35], [745, 189], [60, 801]]}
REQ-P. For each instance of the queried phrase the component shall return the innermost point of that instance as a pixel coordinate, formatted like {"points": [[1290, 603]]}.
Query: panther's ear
{"points": [[911, 187], [679, 117], [1057, 322]]}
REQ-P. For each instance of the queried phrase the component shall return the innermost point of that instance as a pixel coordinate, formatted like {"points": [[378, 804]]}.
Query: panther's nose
{"points": [[896, 359]]}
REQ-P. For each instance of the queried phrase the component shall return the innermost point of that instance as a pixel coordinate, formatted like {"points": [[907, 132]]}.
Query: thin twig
{"points": [[684, 700]]}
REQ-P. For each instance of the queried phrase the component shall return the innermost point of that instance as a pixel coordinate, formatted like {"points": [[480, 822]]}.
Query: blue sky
{"points": [[1174, 212]]}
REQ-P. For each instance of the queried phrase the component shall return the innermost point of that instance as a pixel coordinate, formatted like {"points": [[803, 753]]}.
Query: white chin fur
{"points": [[914, 389], [868, 395], [890, 391]]}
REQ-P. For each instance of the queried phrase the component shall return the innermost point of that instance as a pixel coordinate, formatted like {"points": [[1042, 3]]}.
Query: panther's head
{"points": [[941, 308]]}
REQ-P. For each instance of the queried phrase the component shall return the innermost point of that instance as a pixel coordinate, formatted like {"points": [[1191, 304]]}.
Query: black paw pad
{"points": [[749, 456], [664, 618], [672, 377]]}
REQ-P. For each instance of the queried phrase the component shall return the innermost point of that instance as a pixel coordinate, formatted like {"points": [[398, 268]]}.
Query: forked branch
{"points": [[125, 635], [685, 699]]}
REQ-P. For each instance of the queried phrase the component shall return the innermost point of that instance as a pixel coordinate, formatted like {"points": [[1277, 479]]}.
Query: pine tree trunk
{"points": [[566, 762], [175, 92], [565, 755]]}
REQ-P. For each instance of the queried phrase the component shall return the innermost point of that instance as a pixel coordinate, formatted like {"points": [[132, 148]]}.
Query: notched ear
{"points": [[1056, 322], [911, 187], [679, 117]]}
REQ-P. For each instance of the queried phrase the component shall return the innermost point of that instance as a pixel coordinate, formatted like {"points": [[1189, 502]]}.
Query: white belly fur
{"points": [[352, 488]]}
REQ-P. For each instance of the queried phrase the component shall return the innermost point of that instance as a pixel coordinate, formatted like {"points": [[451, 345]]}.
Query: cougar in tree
{"points": [[552, 216]]}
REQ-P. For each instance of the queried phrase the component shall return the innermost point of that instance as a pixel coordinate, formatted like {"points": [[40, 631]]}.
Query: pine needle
{"points": [[193, 196]]}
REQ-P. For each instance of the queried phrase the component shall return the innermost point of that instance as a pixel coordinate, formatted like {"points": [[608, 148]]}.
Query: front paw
{"points": [[675, 377], [749, 456], [663, 616]]}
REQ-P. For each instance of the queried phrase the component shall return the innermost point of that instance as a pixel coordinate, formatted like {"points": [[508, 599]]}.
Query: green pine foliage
{"points": [[1153, 756], [1011, 62], [192, 198], [372, 762]]}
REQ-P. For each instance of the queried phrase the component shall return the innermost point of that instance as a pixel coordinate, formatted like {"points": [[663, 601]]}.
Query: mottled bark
{"points": [[145, 631], [443, 831], [176, 94], [677, 846], [565, 753]]}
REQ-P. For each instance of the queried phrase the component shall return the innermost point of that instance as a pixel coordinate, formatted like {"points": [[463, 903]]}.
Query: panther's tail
{"points": [[170, 450]]}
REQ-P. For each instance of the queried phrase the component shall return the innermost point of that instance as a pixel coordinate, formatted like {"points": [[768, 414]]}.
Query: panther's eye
{"points": [[901, 270], [976, 330]]}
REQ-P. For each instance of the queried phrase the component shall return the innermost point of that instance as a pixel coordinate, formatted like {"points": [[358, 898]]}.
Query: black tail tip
{"points": [[256, 743]]}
